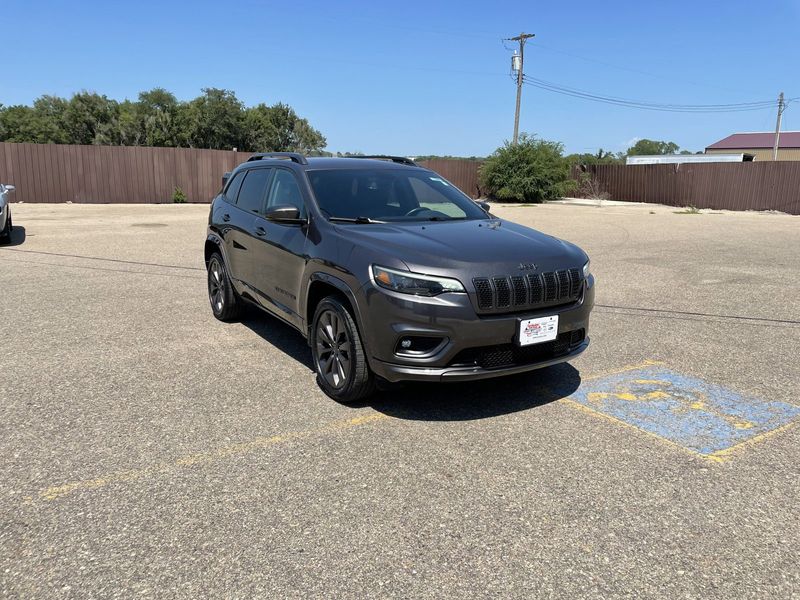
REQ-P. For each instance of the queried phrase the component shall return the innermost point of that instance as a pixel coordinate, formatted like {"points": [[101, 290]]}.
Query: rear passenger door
{"points": [[249, 204], [278, 252]]}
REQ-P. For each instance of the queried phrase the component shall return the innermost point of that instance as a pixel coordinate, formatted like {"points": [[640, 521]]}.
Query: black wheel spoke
{"points": [[216, 286], [333, 349]]}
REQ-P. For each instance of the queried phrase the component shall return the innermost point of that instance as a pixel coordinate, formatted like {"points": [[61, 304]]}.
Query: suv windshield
{"points": [[366, 195]]}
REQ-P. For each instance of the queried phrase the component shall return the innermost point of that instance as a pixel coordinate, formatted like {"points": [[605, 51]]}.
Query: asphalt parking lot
{"points": [[150, 450]]}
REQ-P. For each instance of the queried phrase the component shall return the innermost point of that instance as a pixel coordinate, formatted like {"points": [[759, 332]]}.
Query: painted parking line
{"points": [[706, 419], [200, 458]]}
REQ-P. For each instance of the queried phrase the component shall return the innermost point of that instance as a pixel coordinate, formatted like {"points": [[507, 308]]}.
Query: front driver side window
{"points": [[232, 191], [285, 191], [251, 196]]}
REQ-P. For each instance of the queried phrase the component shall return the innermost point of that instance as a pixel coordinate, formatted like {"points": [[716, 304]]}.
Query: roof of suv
{"points": [[325, 162]]}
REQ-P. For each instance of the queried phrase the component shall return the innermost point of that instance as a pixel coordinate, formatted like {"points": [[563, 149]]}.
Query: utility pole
{"points": [[781, 107], [517, 65]]}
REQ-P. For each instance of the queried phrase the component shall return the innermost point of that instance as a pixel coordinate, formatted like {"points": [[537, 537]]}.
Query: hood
{"points": [[478, 247]]}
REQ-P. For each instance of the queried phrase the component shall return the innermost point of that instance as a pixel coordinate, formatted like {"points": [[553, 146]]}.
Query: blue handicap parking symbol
{"points": [[702, 417]]}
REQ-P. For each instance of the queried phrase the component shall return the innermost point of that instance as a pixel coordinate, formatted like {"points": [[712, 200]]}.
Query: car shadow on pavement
{"points": [[279, 334], [17, 237], [478, 399], [435, 401]]}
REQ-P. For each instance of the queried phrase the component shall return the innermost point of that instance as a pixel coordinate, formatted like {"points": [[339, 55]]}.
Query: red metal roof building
{"points": [[760, 145]]}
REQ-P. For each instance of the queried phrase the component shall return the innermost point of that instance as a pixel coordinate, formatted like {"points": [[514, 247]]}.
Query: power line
{"points": [[655, 106], [629, 68]]}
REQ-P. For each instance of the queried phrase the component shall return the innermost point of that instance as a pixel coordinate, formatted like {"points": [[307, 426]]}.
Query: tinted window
{"points": [[285, 191], [391, 195], [254, 188], [233, 188]]}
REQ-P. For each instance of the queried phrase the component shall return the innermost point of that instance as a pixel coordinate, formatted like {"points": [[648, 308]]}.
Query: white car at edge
{"points": [[5, 212]]}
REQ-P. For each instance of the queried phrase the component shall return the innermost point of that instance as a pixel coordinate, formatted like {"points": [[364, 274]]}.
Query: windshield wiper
{"points": [[359, 220], [446, 218]]}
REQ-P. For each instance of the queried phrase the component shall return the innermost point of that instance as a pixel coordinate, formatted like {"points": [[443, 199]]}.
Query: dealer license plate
{"points": [[536, 331]]}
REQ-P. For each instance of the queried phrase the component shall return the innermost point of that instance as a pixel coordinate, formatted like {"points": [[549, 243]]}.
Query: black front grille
{"points": [[483, 289], [510, 355], [520, 292], [550, 286], [503, 290]]}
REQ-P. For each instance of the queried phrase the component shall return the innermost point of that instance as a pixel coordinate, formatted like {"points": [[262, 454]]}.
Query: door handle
{"points": [[261, 232], [226, 217]]}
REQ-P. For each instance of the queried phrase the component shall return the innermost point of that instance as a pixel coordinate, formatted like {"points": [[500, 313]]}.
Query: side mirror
{"points": [[284, 213], [10, 188], [484, 205], [225, 177]]}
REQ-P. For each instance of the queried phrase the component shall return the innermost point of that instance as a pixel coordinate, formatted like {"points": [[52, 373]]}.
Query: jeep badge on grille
{"points": [[527, 266]]}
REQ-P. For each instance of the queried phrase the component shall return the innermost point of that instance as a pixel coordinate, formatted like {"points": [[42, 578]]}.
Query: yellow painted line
{"points": [[248, 447], [595, 413], [242, 448], [625, 369], [201, 458], [717, 457], [723, 455]]}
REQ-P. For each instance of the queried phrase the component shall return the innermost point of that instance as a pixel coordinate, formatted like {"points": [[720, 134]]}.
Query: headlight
{"points": [[414, 283], [586, 270]]}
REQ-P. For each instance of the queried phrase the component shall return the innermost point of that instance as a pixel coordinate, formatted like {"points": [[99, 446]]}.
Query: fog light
{"points": [[418, 345]]}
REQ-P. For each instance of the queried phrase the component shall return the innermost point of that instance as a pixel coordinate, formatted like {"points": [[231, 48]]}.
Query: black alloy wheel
{"points": [[339, 356], [224, 303]]}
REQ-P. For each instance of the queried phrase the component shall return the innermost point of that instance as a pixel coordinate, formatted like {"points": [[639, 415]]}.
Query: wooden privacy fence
{"points": [[134, 174], [461, 173], [119, 174], [733, 186], [116, 174]]}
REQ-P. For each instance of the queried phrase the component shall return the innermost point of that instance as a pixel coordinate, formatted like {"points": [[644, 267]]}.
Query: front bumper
{"points": [[394, 372], [388, 316]]}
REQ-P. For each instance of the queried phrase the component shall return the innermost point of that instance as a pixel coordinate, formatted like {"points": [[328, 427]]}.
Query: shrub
{"points": [[589, 187], [178, 196], [533, 170]]}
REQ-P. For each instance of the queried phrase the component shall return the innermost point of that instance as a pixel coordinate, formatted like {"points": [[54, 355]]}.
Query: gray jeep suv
{"points": [[391, 273]]}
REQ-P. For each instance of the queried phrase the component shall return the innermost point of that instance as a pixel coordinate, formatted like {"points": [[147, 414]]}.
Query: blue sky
{"points": [[424, 77]]}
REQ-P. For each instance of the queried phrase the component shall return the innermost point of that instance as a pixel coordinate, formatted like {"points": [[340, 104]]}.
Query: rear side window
{"points": [[254, 188], [233, 188]]}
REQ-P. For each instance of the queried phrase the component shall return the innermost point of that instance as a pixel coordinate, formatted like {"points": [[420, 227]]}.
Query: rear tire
{"points": [[339, 357], [5, 235], [225, 303]]}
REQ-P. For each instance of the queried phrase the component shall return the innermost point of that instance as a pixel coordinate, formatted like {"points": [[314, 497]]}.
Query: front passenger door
{"points": [[278, 254]]}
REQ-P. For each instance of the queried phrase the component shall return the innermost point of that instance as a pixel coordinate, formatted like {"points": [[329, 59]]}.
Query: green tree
{"points": [[43, 123], [277, 128], [214, 120], [91, 118], [533, 170], [17, 124], [650, 147], [602, 157], [48, 120], [129, 124], [158, 111]]}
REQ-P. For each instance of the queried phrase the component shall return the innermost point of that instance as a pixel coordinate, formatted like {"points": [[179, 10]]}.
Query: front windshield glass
{"points": [[390, 195]]}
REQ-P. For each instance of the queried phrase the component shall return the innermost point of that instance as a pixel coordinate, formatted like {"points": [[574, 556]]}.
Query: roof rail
{"points": [[396, 159], [293, 156]]}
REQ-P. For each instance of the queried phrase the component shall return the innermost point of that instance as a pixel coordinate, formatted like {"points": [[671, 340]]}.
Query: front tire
{"points": [[339, 357], [225, 304]]}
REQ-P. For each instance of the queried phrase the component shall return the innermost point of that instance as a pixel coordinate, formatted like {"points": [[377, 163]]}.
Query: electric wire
{"points": [[654, 106]]}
